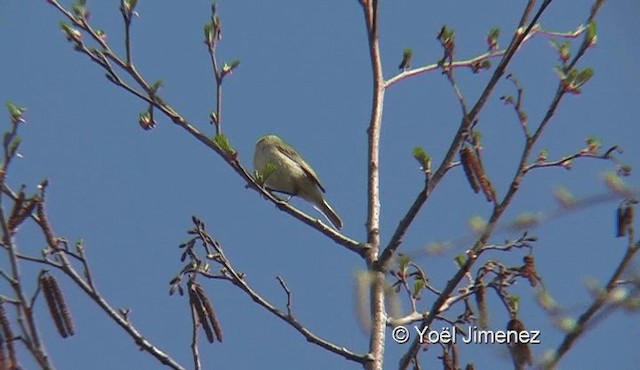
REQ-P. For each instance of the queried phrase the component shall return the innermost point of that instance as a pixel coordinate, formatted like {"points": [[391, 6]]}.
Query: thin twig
{"points": [[238, 280], [194, 339], [457, 140], [469, 63], [287, 291], [498, 208], [66, 267], [562, 162], [152, 99], [598, 304]]}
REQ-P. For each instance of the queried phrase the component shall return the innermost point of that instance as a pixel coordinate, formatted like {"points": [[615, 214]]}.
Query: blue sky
{"points": [[304, 75]]}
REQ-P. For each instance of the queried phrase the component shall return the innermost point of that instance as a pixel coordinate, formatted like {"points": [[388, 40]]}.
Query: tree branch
{"points": [[238, 279], [377, 304], [598, 304], [230, 158]]}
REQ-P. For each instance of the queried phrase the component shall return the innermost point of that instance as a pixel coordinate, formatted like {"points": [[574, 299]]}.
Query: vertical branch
{"points": [[7, 337], [24, 311], [127, 10], [194, 338], [213, 34], [373, 200], [378, 314]]}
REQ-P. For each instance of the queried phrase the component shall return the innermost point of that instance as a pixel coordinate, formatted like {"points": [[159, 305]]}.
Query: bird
{"points": [[291, 175]]}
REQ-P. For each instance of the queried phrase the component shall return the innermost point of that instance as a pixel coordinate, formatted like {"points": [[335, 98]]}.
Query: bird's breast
{"points": [[287, 175]]}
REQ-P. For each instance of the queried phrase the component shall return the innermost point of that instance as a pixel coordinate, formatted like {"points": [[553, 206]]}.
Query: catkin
{"points": [[211, 315], [196, 305]]}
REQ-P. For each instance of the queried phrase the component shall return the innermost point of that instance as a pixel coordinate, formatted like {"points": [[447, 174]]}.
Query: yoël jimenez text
{"points": [[475, 335]]}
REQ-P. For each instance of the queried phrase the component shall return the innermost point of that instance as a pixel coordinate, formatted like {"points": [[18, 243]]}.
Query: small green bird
{"points": [[292, 175]]}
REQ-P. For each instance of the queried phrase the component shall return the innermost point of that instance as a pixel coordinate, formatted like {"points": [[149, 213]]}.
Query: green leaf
{"points": [[594, 143], [223, 143], [546, 301], [447, 38], [407, 53], [583, 76], [208, 33], [447, 34], [592, 33], [15, 112], [494, 32], [13, 147], [514, 302], [525, 221], [72, 33], [403, 261], [436, 249], [418, 285], [560, 71], [477, 139], [228, 68], [566, 323], [477, 224], [614, 182], [80, 245], [130, 5], [485, 64], [423, 158], [263, 174], [492, 38], [460, 259], [574, 79], [564, 197], [543, 155], [564, 49], [79, 10], [156, 86], [146, 121]]}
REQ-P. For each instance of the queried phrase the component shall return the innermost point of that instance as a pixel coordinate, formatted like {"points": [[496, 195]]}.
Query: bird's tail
{"points": [[326, 209]]}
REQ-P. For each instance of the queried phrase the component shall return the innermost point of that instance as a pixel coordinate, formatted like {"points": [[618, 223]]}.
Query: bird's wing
{"points": [[294, 156]]}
